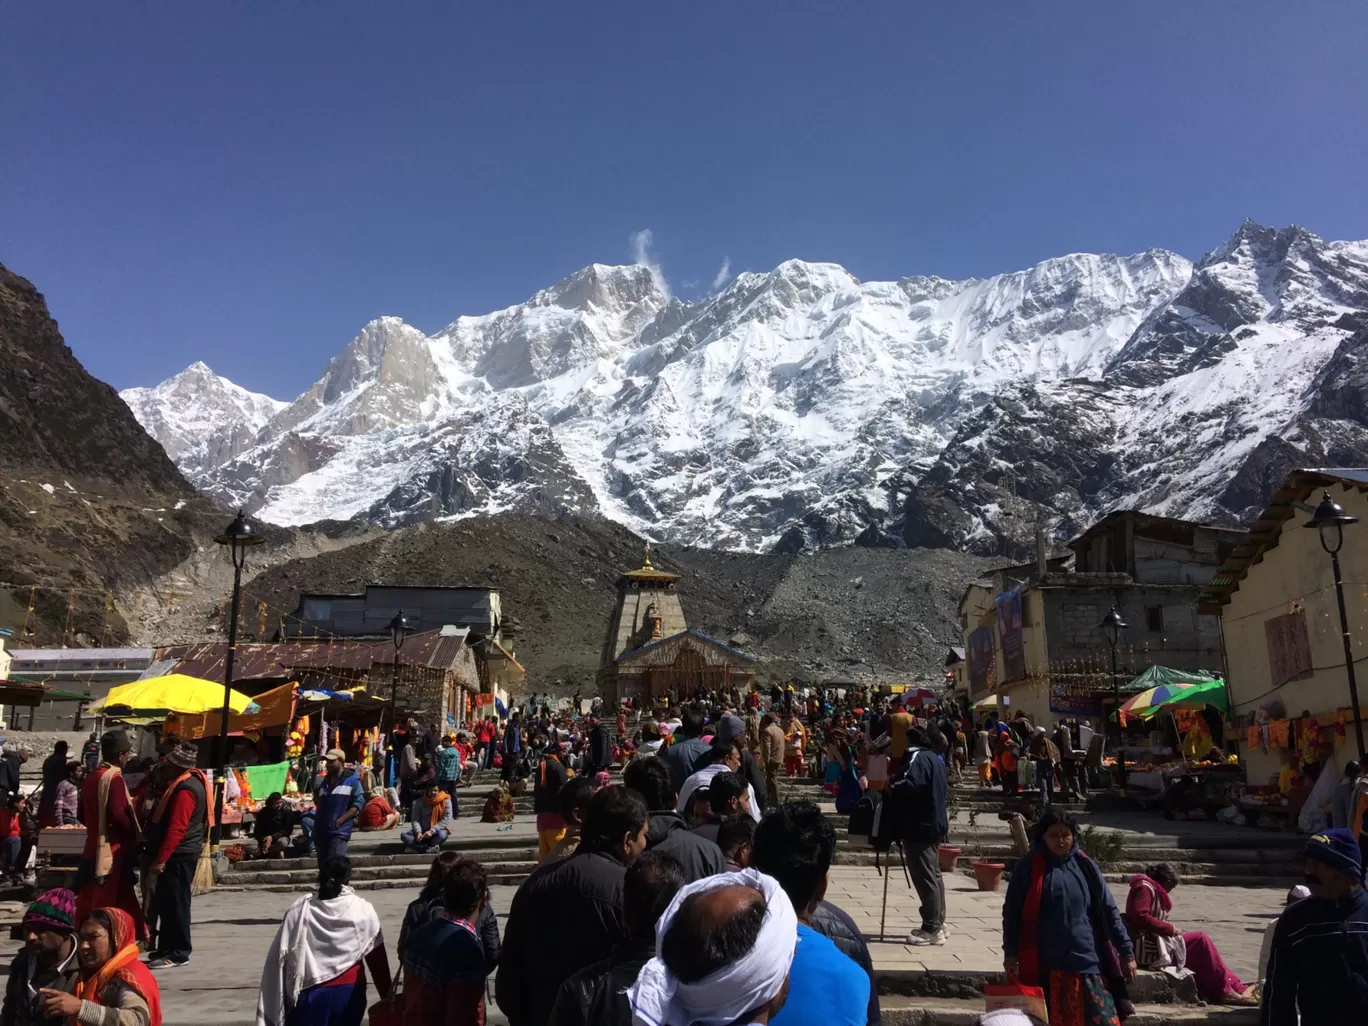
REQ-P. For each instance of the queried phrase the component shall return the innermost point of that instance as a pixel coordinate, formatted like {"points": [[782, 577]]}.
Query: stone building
{"points": [[1032, 633], [649, 650]]}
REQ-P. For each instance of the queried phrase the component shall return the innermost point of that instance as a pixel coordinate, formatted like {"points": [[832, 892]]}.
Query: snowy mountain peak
{"points": [[200, 418], [802, 406]]}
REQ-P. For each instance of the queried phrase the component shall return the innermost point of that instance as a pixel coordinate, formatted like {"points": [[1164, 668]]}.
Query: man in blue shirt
{"points": [[795, 844]]}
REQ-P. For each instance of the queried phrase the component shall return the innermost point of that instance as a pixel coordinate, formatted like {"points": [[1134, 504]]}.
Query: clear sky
{"points": [[249, 183]]}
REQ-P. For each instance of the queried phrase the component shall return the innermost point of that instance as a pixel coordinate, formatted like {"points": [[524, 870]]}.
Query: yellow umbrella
{"points": [[175, 692]]}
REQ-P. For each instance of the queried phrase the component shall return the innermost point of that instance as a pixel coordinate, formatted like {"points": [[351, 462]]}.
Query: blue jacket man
{"points": [[338, 800], [1319, 963]]}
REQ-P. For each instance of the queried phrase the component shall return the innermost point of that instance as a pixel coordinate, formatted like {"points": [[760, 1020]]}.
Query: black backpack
{"points": [[864, 817]]}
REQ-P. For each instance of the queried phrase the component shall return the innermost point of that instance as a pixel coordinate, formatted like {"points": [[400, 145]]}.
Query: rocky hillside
{"points": [[803, 408], [830, 615], [90, 505]]}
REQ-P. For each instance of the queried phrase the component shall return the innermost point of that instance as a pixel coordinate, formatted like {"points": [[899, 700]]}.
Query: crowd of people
{"points": [[696, 895]]}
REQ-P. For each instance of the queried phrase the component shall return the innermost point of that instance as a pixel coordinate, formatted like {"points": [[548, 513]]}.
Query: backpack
{"points": [[863, 817]]}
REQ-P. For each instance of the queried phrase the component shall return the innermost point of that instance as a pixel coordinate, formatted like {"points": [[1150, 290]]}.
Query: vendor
{"points": [[273, 826]]}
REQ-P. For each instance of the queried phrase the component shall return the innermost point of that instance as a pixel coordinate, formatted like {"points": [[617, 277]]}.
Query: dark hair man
{"points": [[734, 836], [575, 797], [667, 830], [683, 755], [726, 947], [582, 893], [444, 959], [727, 796], [833, 977], [724, 757], [597, 995]]}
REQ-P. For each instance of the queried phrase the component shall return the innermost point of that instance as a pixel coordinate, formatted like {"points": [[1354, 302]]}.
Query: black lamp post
{"points": [[1112, 626], [400, 628], [238, 537], [1330, 519]]}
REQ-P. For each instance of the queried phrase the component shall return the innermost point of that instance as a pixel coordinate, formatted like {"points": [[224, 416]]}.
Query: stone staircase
{"points": [[1263, 859]]}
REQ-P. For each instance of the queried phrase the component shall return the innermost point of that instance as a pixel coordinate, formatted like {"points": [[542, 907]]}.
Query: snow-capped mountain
{"points": [[804, 407], [202, 420]]}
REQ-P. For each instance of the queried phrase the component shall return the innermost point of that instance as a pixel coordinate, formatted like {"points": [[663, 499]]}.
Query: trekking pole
{"points": [[883, 912]]}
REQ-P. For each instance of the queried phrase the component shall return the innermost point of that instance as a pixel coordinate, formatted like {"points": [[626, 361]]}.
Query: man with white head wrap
{"points": [[724, 947]]}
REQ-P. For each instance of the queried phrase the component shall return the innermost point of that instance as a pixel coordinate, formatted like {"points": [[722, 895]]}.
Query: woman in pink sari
{"points": [[1159, 944]]}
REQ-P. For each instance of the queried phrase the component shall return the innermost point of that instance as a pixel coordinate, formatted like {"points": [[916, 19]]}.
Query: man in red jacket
{"points": [[177, 831], [105, 876]]}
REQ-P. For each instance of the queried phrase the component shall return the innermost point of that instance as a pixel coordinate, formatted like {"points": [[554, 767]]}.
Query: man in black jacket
{"points": [[568, 914], [600, 754], [597, 996], [920, 794], [667, 830]]}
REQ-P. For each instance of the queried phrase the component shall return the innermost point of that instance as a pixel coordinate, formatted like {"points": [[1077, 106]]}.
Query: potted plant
{"points": [[987, 874]]}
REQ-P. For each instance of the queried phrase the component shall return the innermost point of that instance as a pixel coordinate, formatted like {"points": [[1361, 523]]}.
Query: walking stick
{"points": [[883, 912]]}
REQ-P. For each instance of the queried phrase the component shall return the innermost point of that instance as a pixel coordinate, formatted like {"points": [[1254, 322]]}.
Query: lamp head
{"points": [[237, 536], [400, 628], [1330, 519], [1112, 625]]}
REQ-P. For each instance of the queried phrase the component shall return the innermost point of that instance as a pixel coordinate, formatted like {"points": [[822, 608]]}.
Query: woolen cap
{"points": [[183, 756], [1338, 849], [55, 908]]}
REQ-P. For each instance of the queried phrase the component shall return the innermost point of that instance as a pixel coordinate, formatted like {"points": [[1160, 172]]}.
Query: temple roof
{"points": [[647, 571]]}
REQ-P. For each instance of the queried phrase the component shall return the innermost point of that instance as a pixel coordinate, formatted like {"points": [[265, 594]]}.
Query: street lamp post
{"points": [[1330, 519], [400, 628], [1112, 626], [238, 537]]}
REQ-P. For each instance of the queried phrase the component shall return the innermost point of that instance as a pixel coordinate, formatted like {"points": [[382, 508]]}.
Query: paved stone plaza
{"points": [[234, 928]]}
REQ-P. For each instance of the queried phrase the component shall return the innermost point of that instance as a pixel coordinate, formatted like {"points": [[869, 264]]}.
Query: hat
{"points": [[117, 740], [55, 908], [1337, 849], [729, 726], [183, 756], [336, 753]]}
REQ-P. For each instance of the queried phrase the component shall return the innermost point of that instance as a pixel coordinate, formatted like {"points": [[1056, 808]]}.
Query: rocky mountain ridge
{"points": [[803, 408]]}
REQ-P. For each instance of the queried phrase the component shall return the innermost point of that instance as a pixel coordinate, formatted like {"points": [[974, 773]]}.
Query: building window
{"points": [[1289, 647], [1154, 619]]}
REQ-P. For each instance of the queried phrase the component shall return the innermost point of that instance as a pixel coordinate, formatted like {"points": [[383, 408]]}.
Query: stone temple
{"points": [[649, 651]]}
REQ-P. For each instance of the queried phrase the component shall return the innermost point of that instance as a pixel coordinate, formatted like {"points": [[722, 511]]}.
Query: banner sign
{"points": [[981, 657], [1009, 631], [1069, 703]]}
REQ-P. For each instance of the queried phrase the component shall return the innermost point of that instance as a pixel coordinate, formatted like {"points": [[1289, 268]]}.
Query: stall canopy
{"points": [[274, 708], [174, 692], [1177, 696], [991, 702]]}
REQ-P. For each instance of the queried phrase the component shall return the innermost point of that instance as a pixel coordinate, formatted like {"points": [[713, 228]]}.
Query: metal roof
{"points": [[1298, 487], [81, 655], [688, 633]]}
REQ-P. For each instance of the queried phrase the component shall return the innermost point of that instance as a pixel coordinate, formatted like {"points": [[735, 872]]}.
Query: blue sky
{"points": [[249, 183]]}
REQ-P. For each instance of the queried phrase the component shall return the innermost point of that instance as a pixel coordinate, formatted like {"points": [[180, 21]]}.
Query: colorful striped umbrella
{"points": [[1175, 696]]}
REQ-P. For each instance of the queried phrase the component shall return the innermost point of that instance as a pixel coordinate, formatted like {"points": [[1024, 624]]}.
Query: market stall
{"points": [[1170, 748]]}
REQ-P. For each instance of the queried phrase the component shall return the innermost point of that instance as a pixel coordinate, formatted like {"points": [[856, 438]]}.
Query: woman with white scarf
{"points": [[724, 947], [314, 974]]}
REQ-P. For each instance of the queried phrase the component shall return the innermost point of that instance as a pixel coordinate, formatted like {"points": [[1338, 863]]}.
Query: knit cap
{"points": [[55, 908], [1337, 849]]}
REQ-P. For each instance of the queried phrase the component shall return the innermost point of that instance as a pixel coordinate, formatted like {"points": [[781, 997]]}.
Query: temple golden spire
{"points": [[646, 558]]}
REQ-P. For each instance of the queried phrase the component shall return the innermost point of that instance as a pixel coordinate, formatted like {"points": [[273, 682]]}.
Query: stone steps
{"points": [[900, 1011]]}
